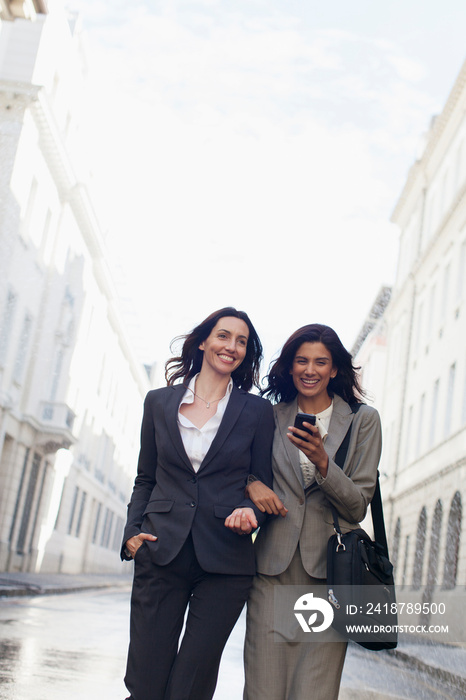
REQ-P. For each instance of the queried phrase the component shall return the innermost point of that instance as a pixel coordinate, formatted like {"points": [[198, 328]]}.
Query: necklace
{"points": [[207, 403]]}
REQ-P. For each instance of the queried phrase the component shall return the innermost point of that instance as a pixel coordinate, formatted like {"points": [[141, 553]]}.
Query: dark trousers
{"points": [[159, 669]]}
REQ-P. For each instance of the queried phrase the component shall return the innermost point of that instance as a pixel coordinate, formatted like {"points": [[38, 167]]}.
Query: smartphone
{"points": [[304, 418]]}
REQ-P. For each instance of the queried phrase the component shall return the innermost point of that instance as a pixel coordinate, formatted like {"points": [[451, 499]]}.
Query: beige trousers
{"points": [[293, 669]]}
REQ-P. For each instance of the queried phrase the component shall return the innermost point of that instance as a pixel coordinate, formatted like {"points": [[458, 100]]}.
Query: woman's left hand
{"points": [[311, 445], [242, 521]]}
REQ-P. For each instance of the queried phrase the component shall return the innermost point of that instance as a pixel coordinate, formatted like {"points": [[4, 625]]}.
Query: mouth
{"points": [[309, 383], [226, 358]]}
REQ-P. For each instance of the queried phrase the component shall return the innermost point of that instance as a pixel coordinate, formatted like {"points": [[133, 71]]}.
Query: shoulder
{"points": [[157, 395], [366, 419], [362, 409], [256, 402]]}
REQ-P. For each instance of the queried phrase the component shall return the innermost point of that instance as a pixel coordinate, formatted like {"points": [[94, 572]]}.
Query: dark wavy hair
{"points": [[280, 386], [188, 364]]}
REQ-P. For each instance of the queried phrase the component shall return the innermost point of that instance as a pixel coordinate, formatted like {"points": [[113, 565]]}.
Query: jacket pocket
{"points": [[223, 511], [158, 507]]}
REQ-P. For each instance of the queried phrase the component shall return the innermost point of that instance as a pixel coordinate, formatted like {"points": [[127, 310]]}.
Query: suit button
{"points": [[194, 480], [193, 504], [301, 501]]}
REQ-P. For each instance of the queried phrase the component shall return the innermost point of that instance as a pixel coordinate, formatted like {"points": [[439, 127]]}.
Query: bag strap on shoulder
{"points": [[380, 535]]}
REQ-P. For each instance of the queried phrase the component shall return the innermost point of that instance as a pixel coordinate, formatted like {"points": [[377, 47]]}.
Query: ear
{"points": [[334, 373], [201, 346]]}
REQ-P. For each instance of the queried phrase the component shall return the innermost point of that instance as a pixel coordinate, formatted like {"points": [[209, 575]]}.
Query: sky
{"points": [[251, 153]]}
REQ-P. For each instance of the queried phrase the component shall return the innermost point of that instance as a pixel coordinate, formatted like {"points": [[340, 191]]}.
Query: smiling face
{"points": [[225, 348], [311, 372]]}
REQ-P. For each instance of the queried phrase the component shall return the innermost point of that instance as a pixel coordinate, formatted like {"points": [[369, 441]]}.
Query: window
{"points": [[433, 413], [7, 324], [419, 330], [420, 426], [96, 525], [452, 542], [431, 311], [445, 292], [434, 545], [23, 346], [81, 513], [419, 551], [396, 545], [405, 563], [449, 405], [28, 503], [73, 509], [408, 435], [461, 271]]}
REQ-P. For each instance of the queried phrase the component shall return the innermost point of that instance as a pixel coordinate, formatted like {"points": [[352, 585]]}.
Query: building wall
{"points": [[71, 390], [423, 406]]}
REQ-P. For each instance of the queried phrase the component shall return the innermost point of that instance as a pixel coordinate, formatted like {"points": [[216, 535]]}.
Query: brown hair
{"points": [[189, 362]]}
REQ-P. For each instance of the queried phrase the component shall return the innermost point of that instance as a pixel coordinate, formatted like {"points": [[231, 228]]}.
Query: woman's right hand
{"points": [[133, 544], [265, 499]]}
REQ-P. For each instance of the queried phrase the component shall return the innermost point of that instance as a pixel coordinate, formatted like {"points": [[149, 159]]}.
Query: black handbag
{"points": [[360, 585]]}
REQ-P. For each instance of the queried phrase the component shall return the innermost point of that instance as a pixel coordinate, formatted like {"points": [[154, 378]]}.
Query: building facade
{"points": [[421, 389], [71, 390]]}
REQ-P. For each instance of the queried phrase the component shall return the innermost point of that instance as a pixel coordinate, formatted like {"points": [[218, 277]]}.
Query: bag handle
{"points": [[378, 523]]}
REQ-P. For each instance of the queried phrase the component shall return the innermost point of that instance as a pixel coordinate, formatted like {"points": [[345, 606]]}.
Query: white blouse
{"points": [[197, 441]]}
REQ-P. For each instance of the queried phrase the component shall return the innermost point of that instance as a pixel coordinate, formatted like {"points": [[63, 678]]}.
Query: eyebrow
{"points": [[224, 330], [303, 357]]}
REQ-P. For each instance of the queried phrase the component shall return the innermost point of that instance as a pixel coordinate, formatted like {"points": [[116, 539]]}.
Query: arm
{"points": [[351, 490], [264, 498], [143, 485], [247, 517]]}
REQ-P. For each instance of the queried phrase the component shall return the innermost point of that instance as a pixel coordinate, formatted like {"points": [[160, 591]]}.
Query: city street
{"points": [[73, 646]]}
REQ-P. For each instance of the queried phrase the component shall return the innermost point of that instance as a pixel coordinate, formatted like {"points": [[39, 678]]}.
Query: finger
{"points": [[147, 536], [272, 509], [296, 440], [299, 434]]}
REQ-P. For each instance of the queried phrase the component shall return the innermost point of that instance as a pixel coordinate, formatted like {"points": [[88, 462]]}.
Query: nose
{"points": [[230, 344]]}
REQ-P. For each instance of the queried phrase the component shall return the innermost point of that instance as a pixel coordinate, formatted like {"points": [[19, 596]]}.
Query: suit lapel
{"points": [[340, 421], [171, 415], [234, 407], [285, 414]]}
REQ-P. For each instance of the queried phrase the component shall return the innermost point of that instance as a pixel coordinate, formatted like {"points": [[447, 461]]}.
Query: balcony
{"points": [[54, 424]]}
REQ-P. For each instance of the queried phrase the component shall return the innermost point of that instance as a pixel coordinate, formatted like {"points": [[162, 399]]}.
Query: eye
{"points": [[243, 342], [222, 335]]}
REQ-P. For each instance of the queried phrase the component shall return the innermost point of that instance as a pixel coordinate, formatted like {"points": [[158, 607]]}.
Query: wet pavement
{"points": [[74, 646]]}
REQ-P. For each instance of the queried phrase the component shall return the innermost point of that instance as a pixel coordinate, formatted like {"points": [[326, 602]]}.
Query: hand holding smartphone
{"points": [[304, 418]]}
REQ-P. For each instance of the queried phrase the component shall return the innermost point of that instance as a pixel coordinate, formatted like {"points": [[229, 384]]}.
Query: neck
{"points": [[309, 404], [211, 386]]}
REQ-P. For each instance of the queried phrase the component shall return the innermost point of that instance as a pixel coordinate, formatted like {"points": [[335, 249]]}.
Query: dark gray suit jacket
{"points": [[170, 499]]}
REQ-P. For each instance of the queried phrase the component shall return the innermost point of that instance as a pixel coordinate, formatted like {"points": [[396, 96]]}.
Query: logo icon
{"points": [[307, 603]]}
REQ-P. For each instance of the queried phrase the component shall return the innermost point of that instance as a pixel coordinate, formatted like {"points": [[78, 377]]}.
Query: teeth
{"points": [[226, 357]]}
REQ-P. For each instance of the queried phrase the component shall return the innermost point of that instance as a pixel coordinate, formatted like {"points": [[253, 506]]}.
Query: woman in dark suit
{"points": [[313, 374], [201, 438]]}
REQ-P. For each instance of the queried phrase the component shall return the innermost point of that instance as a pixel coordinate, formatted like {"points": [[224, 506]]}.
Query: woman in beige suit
{"points": [[313, 374]]}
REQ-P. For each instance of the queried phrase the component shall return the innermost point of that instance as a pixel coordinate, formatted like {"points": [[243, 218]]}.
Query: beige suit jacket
{"points": [[309, 520]]}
